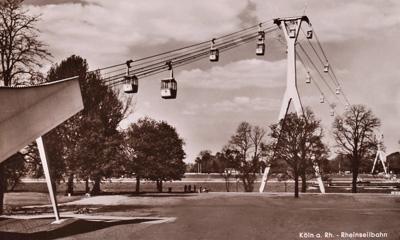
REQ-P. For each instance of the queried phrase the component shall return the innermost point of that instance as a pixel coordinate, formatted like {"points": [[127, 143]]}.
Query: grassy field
{"points": [[342, 185], [233, 216], [176, 186]]}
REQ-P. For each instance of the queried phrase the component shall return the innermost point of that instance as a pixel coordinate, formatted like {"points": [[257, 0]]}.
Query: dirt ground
{"points": [[221, 216]]}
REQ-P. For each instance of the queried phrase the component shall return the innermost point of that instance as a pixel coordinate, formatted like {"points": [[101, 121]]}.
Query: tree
{"points": [[227, 165], [205, 159], [247, 148], [14, 171], [299, 147], [21, 53], [354, 135], [393, 161], [94, 140], [155, 152], [87, 145]]}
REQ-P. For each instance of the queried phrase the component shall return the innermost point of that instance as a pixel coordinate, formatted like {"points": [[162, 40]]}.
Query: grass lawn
{"points": [[224, 216]]}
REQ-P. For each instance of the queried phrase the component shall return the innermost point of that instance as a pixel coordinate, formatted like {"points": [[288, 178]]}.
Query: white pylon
{"points": [[380, 155], [290, 28], [53, 197]]}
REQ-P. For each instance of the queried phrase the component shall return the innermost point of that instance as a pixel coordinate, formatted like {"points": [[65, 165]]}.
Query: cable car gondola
{"points": [[322, 99], [214, 52], [326, 67], [169, 87], [292, 30], [260, 49], [131, 82], [308, 78], [309, 34], [337, 91]]}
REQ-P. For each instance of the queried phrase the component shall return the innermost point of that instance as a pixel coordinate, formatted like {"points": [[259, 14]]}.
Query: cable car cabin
{"points": [[337, 91], [321, 99], [332, 113], [309, 34], [260, 50], [214, 54], [308, 79], [326, 67], [169, 88], [292, 32], [131, 84]]}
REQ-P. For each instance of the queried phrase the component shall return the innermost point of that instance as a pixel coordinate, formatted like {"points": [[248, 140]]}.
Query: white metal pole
{"points": [[376, 159], [264, 179], [43, 157]]}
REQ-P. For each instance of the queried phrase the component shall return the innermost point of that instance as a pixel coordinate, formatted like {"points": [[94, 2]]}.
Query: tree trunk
{"points": [[354, 182], [227, 184], [159, 185], [87, 190], [137, 184], [248, 186], [303, 182], [96, 186], [2, 187], [296, 183], [70, 185]]}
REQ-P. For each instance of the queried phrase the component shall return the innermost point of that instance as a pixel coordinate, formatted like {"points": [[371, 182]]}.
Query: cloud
{"points": [[236, 75], [337, 20], [105, 31], [240, 104]]}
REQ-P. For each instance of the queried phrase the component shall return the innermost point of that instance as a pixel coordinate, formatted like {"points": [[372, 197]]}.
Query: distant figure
{"points": [[194, 188], [185, 189], [190, 188], [200, 189]]}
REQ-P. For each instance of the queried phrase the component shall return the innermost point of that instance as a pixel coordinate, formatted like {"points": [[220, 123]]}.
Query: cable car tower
{"points": [[380, 155], [291, 28]]}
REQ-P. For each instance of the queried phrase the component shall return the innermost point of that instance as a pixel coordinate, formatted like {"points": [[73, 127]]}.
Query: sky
{"points": [[358, 36]]}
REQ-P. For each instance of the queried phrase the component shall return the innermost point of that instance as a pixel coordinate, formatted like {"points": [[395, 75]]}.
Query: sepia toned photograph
{"points": [[199, 120]]}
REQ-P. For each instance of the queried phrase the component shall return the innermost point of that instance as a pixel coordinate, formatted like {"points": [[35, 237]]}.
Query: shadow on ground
{"points": [[78, 226]]}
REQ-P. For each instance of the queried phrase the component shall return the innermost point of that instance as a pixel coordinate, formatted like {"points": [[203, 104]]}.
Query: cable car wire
{"points": [[179, 55], [199, 56], [186, 47], [313, 82], [185, 57], [332, 71], [317, 70], [162, 60]]}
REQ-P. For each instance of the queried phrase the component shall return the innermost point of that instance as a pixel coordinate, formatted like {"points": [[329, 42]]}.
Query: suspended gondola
{"points": [[214, 52], [309, 34], [292, 30], [308, 78], [169, 86], [260, 49], [326, 67], [131, 82], [322, 99]]}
